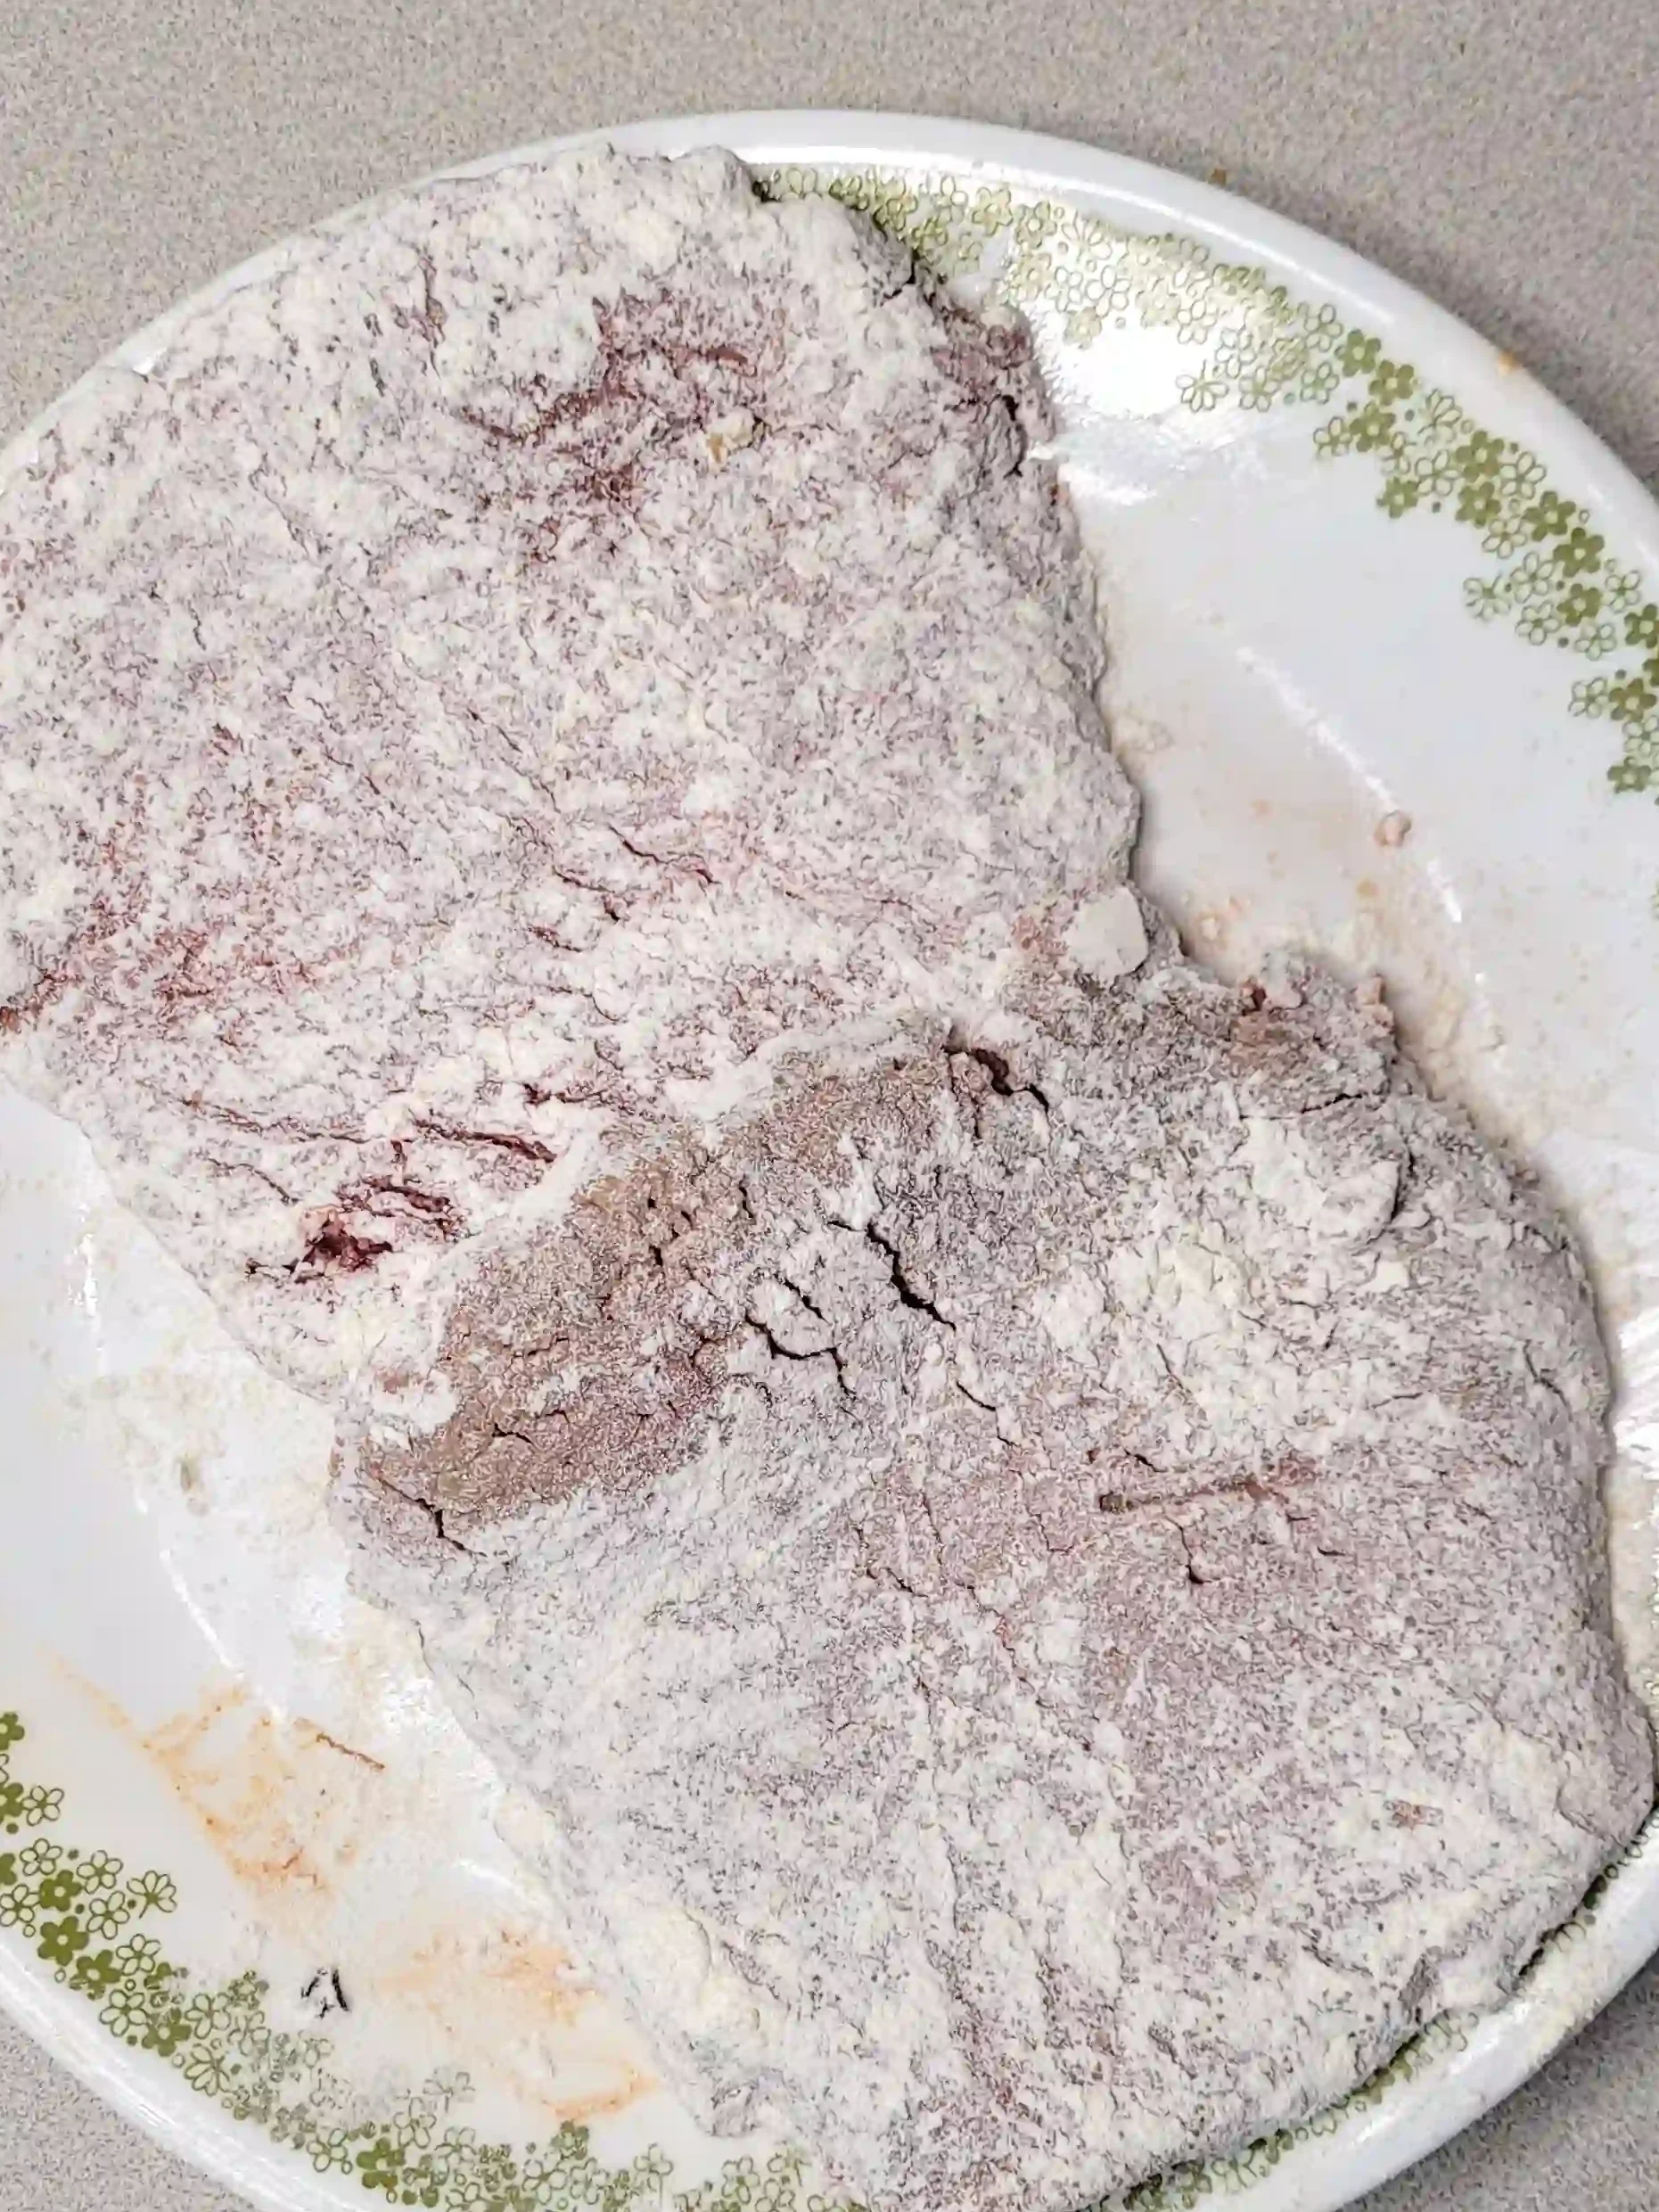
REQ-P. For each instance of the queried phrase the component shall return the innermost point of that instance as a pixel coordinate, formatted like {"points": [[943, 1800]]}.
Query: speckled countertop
{"points": [[1502, 157]]}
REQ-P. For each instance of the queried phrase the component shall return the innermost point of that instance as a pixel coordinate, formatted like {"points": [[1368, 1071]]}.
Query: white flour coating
{"points": [[1034, 1519], [503, 679], [1056, 1593]]}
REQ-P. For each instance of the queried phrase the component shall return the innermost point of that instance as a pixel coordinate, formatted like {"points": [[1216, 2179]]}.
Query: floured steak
{"points": [[1055, 1593], [505, 678], [1032, 1517]]}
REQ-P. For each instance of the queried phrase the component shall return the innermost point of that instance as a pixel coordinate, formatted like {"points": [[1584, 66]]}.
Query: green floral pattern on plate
{"points": [[1551, 577], [79, 1910]]}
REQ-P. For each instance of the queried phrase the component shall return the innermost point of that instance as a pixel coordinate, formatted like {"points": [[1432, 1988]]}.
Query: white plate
{"points": [[1359, 567]]}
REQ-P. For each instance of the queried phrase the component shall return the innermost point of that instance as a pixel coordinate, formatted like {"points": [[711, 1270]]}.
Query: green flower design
{"points": [[1237, 352], [1631, 700], [291, 2123], [994, 211], [17, 1910], [1642, 626], [1399, 495], [495, 2166], [1624, 587], [1520, 477], [60, 1940], [140, 1954], [1629, 776], [167, 2032], [1580, 604], [1391, 382], [43, 1805], [1506, 532], [1442, 417], [94, 1974], [329, 2150], [1478, 502], [154, 1893], [1551, 517], [8, 1869], [99, 1871], [423, 2184], [1373, 428], [249, 2097], [1435, 474], [1201, 393], [381, 2166], [415, 2124], [1533, 577], [11, 1731], [1581, 551], [1358, 355], [1480, 458], [107, 1914], [211, 2012], [1028, 277], [125, 2014], [58, 1892], [14, 1805], [1186, 257], [40, 1860]]}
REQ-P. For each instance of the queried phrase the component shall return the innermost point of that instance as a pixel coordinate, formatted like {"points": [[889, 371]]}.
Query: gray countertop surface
{"points": [[1502, 155]]}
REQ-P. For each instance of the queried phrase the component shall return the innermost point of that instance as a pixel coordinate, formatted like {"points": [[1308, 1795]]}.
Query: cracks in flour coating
{"points": [[503, 1140], [1090, 1547], [995, 1065], [1193, 1576], [436, 1515], [781, 1351], [903, 1288]]}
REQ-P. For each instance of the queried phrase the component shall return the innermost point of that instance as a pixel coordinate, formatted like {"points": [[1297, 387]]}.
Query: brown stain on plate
{"points": [[524, 1974], [293, 1813], [281, 1801], [520, 1993], [602, 2104], [285, 1804]]}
